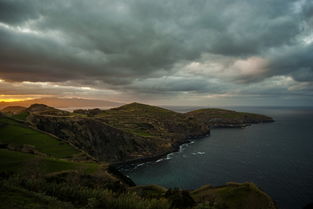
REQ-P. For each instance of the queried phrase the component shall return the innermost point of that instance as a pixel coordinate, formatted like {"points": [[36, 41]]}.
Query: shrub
{"points": [[179, 199], [88, 198]]}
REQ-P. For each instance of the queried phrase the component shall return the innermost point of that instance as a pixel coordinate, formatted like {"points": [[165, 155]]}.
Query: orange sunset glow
{"points": [[5, 98]]}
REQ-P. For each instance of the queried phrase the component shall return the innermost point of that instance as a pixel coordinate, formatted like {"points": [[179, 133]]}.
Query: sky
{"points": [[177, 52]]}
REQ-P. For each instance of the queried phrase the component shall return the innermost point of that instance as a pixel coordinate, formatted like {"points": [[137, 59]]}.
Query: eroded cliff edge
{"points": [[133, 131], [105, 134]]}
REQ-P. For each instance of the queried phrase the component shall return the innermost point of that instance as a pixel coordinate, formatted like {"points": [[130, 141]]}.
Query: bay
{"points": [[277, 156]]}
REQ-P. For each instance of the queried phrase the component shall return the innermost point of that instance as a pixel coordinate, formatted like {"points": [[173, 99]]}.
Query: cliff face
{"points": [[220, 118], [119, 134], [135, 130], [96, 138]]}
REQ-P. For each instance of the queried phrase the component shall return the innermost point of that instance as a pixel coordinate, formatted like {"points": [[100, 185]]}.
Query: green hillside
{"points": [[39, 171], [25, 149], [129, 132], [215, 117], [150, 121], [18, 162], [19, 198], [18, 134]]}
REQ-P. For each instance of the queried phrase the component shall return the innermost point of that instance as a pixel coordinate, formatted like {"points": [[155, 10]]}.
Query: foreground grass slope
{"points": [[18, 162], [23, 194], [19, 198], [24, 149], [33, 193]]}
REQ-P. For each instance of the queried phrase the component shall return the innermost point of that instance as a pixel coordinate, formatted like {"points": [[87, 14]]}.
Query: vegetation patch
{"points": [[234, 196], [16, 133], [17, 162]]}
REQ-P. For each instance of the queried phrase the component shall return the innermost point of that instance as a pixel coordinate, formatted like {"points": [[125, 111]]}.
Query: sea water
{"points": [[277, 156]]}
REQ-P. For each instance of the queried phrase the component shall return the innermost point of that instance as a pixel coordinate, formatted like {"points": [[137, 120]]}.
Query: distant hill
{"points": [[221, 118], [63, 103], [13, 110]]}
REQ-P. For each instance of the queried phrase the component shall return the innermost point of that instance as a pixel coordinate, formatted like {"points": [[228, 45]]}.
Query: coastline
{"points": [[129, 164], [135, 162]]}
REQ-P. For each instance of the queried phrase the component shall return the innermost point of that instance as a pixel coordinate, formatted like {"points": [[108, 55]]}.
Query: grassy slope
{"points": [[18, 198], [149, 121], [136, 118], [20, 116], [230, 196], [16, 112], [235, 196], [17, 162], [149, 191], [226, 114], [152, 121], [26, 164], [15, 133]]}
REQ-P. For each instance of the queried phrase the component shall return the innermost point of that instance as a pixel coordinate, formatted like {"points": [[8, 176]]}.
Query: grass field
{"points": [[21, 116], [17, 162], [12, 132], [15, 133]]}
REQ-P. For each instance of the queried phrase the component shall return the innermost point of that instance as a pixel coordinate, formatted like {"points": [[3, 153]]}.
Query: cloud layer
{"points": [[158, 50]]}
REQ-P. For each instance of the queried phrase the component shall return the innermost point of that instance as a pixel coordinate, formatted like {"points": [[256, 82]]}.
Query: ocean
{"points": [[277, 156]]}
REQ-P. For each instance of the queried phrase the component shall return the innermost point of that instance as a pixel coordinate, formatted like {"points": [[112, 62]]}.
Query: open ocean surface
{"points": [[277, 156]]}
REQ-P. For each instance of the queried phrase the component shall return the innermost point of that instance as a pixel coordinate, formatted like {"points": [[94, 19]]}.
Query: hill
{"points": [[221, 118], [24, 149], [38, 170], [132, 132], [13, 110]]}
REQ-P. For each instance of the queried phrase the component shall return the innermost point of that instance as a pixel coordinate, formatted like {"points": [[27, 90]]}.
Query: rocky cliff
{"points": [[133, 131], [127, 133], [220, 118]]}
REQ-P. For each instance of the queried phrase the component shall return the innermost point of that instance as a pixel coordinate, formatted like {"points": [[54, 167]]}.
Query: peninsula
{"points": [[79, 151]]}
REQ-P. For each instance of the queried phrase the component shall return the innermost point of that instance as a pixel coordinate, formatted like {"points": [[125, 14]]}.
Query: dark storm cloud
{"points": [[298, 61], [176, 84], [16, 11], [135, 44]]}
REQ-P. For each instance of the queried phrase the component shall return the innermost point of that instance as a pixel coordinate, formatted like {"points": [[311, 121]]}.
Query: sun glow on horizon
{"points": [[7, 98], [11, 100]]}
